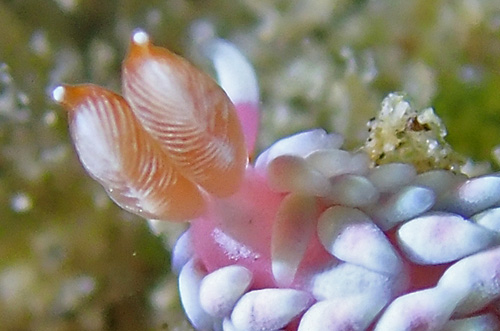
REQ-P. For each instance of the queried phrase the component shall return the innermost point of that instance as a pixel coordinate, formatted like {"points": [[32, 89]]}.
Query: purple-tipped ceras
{"points": [[310, 236]]}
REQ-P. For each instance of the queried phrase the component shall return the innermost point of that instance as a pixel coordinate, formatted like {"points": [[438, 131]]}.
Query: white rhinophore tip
{"points": [[235, 74], [58, 94], [140, 37]]}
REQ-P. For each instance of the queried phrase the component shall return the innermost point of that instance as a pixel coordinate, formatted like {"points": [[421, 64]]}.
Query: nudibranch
{"points": [[307, 237]]}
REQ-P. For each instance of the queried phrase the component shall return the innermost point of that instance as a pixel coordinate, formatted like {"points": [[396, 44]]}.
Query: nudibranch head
{"points": [[310, 236], [172, 139]]}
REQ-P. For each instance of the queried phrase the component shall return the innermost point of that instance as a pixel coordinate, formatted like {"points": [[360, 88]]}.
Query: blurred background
{"points": [[69, 258]]}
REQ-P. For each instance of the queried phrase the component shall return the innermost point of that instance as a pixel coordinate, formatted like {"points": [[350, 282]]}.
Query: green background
{"points": [[69, 258]]}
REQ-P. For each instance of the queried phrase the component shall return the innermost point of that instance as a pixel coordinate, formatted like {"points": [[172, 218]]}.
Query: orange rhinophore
{"points": [[188, 114], [119, 153]]}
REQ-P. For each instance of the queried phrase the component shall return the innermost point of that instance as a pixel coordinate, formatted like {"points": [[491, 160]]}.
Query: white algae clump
{"points": [[400, 133]]}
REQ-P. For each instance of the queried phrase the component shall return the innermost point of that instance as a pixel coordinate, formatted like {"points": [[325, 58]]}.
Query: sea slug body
{"points": [[309, 236]]}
